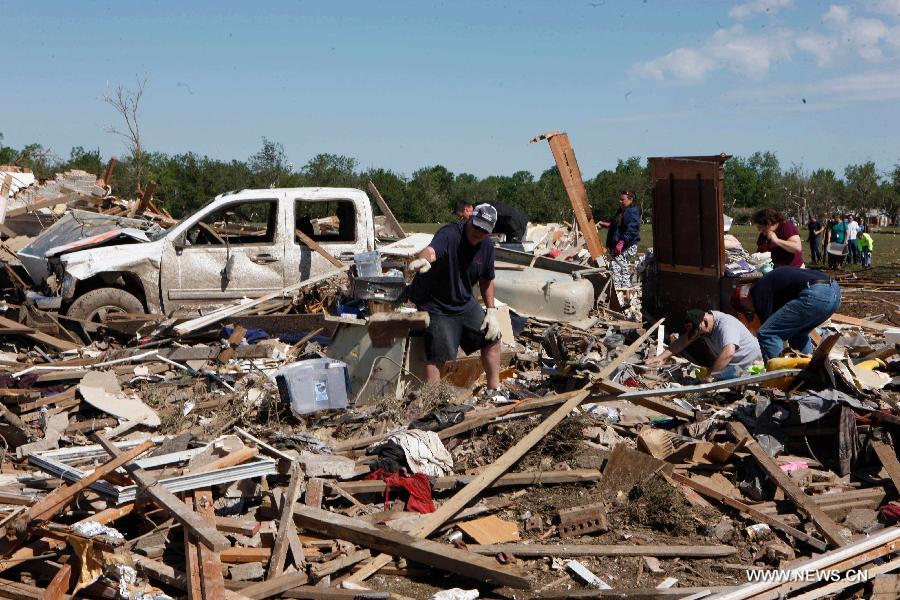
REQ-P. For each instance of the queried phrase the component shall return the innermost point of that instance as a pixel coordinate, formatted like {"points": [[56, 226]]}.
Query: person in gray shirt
{"points": [[730, 341]]}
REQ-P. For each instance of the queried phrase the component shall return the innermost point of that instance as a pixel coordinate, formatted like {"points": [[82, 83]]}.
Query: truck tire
{"points": [[96, 304]]}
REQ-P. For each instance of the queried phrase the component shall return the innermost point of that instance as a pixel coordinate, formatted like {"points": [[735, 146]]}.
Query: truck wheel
{"points": [[96, 304]]}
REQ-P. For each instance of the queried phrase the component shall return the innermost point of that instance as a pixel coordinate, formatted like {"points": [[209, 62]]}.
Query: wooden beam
{"points": [[752, 512], [396, 543], [888, 459], [107, 174], [285, 522], [144, 201], [389, 217], [321, 570], [211, 581], [273, 587], [239, 456], [662, 551], [49, 506], [481, 482], [43, 338], [167, 500], [564, 155], [59, 585], [863, 323], [627, 352], [825, 524], [314, 245]]}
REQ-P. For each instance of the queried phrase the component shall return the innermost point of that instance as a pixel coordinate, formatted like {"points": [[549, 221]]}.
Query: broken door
{"points": [[688, 244]]}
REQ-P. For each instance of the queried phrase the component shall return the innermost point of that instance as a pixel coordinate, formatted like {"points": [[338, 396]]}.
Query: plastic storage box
{"points": [[313, 385], [368, 264], [384, 289]]}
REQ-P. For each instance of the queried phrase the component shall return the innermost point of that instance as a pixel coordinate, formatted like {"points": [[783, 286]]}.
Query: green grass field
{"points": [[887, 243]]}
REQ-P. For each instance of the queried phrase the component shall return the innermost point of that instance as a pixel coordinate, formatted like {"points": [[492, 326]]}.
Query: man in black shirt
{"points": [[459, 255], [511, 222], [791, 302], [815, 237]]}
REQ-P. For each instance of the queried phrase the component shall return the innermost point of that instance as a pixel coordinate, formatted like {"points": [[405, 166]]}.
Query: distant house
{"points": [[877, 218]]}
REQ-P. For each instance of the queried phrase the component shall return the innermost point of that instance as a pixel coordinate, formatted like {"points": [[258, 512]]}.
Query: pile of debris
{"points": [[285, 447]]}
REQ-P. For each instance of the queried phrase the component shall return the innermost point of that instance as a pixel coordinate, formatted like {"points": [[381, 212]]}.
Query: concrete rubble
{"points": [[156, 454]]}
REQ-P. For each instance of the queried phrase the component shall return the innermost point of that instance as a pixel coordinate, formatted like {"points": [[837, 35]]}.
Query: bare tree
{"points": [[127, 101]]}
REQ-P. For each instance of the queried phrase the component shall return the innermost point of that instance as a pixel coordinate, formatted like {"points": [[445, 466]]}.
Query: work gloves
{"points": [[490, 326], [620, 245], [420, 265], [603, 224]]}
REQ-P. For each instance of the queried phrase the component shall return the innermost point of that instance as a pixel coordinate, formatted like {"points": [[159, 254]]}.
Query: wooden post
{"points": [[314, 246], [389, 217], [107, 174], [564, 155], [285, 523]]}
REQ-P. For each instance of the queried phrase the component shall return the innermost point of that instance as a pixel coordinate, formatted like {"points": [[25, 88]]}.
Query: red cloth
{"points": [[890, 513], [417, 485]]}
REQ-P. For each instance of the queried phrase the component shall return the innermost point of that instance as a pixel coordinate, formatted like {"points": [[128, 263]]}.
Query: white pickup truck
{"points": [[240, 244]]}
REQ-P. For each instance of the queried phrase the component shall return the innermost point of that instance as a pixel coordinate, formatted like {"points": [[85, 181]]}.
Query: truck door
{"points": [[334, 224], [232, 252]]}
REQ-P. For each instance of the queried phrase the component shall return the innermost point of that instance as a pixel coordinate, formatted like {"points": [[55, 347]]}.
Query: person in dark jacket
{"points": [[511, 221], [622, 239]]}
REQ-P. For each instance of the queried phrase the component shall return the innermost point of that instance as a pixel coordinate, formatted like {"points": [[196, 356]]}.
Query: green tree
{"points": [[330, 170], [7, 154], [269, 165], [827, 191], [430, 191], [89, 161], [862, 185]]}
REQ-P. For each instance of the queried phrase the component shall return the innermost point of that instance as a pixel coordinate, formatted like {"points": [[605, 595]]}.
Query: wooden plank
{"points": [[661, 550], [43, 338], [238, 555], [144, 201], [564, 155], [316, 247], [888, 459], [389, 217], [211, 581], [285, 522], [481, 482], [49, 506], [627, 352], [752, 512], [863, 323], [825, 524], [167, 500], [246, 527], [320, 570], [107, 174], [192, 560], [59, 585], [434, 554], [239, 456], [273, 587]]}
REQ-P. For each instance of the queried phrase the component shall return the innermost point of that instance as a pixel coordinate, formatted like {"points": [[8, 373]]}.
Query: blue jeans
{"points": [[815, 254], [793, 321]]}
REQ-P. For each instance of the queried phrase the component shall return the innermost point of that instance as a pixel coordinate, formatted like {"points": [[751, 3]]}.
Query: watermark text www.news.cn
{"points": [[812, 576]]}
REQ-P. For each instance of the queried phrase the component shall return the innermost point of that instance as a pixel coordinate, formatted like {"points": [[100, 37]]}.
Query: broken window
{"points": [[241, 223], [325, 220]]}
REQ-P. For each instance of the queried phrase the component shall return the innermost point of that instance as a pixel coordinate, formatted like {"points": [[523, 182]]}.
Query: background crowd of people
{"points": [[841, 238]]}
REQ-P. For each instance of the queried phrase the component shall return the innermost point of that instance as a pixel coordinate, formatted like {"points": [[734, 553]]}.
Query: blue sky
{"points": [[465, 84]]}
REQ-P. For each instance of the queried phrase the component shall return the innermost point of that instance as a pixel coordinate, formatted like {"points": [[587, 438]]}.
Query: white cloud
{"points": [[752, 54], [857, 88], [748, 9], [734, 48], [837, 15]]}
